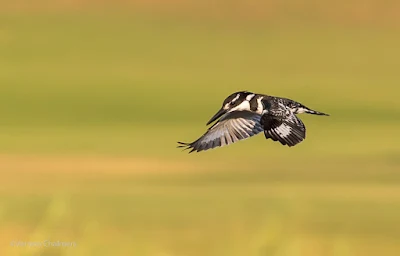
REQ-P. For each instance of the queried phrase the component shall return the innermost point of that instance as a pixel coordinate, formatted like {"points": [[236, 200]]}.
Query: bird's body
{"points": [[245, 114]]}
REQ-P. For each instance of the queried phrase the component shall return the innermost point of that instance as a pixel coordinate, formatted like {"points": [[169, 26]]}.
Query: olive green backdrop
{"points": [[94, 97]]}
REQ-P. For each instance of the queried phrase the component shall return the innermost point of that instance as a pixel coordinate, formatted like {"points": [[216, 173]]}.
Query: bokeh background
{"points": [[94, 96]]}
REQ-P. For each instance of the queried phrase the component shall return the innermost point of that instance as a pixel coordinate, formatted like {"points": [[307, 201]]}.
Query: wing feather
{"points": [[231, 128], [288, 129]]}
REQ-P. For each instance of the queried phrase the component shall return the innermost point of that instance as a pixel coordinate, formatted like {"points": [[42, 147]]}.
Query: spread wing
{"points": [[231, 128], [283, 126]]}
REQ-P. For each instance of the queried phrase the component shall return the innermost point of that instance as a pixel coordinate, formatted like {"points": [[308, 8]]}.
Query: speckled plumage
{"points": [[245, 114]]}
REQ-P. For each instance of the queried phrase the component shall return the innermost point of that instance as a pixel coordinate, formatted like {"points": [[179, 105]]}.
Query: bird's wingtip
{"points": [[185, 146]]}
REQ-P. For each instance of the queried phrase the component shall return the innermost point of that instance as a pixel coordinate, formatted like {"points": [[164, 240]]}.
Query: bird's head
{"points": [[238, 101]]}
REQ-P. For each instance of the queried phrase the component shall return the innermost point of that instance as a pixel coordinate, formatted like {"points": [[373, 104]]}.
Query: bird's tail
{"points": [[303, 109], [298, 108], [313, 112]]}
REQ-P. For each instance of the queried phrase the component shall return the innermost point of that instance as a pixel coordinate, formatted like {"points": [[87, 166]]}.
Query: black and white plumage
{"points": [[245, 114]]}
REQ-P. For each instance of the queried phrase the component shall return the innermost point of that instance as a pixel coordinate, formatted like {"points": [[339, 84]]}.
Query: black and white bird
{"points": [[245, 114]]}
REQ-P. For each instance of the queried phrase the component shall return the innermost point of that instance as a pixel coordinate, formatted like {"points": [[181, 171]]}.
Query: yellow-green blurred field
{"points": [[92, 103]]}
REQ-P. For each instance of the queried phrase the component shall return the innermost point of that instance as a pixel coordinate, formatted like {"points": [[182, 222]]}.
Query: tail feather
{"points": [[313, 112], [298, 108], [303, 109]]}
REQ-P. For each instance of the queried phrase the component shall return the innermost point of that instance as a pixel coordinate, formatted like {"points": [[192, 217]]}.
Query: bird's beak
{"points": [[217, 115]]}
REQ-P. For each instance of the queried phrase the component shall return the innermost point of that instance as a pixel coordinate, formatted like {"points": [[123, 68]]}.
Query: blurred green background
{"points": [[95, 94]]}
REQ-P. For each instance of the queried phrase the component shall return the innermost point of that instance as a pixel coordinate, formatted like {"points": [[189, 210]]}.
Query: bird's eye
{"points": [[232, 103]]}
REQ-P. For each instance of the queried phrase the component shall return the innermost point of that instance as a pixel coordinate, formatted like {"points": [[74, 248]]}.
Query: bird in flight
{"points": [[244, 114]]}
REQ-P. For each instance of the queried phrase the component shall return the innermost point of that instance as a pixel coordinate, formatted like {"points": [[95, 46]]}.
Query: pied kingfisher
{"points": [[244, 114]]}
